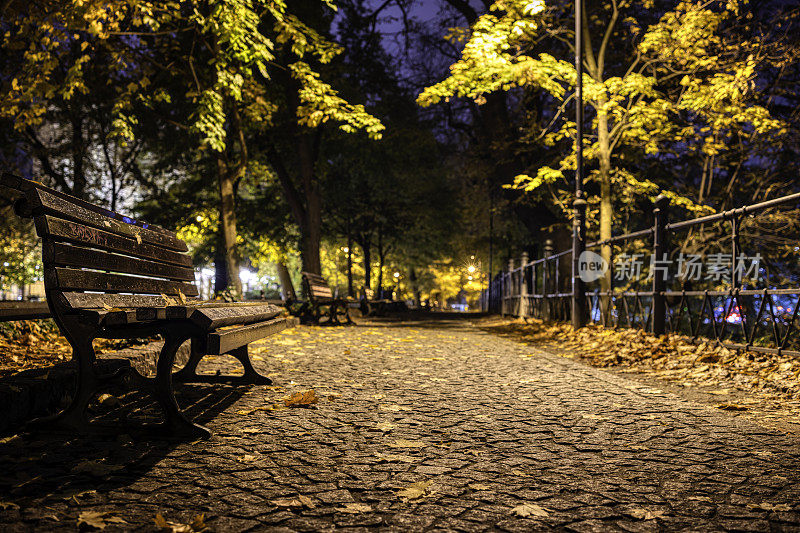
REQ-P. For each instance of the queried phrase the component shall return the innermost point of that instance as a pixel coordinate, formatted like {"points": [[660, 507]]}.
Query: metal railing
{"points": [[754, 315]]}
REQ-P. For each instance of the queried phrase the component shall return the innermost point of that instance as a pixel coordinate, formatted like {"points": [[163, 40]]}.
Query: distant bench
{"points": [[109, 276], [322, 302]]}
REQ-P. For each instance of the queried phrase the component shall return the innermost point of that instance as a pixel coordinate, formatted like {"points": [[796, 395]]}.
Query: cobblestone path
{"points": [[420, 427]]}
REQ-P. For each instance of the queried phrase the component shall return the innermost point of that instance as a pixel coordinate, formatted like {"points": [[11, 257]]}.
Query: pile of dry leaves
{"points": [[673, 358], [27, 344]]}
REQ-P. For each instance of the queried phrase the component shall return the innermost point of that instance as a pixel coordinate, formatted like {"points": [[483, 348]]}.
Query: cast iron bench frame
{"points": [[109, 276], [319, 296]]}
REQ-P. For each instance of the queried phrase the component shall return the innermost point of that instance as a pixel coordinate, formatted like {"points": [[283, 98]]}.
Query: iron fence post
{"points": [[510, 287], [523, 286], [502, 292], [548, 251], [660, 214], [578, 246], [735, 250]]}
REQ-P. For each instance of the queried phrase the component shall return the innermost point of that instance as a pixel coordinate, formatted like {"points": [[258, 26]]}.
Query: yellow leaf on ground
{"points": [[415, 491], [302, 399], [527, 510], [405, 443], [645, 514], [98, 519], [391, 458], [731, 407], [355, 508]]}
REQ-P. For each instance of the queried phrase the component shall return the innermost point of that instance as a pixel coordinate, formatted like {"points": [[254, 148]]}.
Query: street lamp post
{"points": [[579, 205]]}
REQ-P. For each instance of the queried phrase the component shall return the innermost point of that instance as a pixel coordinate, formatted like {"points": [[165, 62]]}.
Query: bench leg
{"points": [[176, 425], [340, 314], [73, 418], [188, 374], [251, 375]]}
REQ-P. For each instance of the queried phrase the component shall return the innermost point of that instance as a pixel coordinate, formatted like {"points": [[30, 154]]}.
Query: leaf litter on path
{"points": [[415, 491], [98, 519], [528, 510]]}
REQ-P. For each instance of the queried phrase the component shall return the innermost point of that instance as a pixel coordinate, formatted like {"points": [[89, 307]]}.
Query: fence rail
{"points": [[746, 314]]}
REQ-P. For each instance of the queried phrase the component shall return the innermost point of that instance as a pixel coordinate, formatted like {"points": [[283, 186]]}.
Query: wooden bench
{"points": [[21, 310], [370, 306], [320, 296], [109, 276]]}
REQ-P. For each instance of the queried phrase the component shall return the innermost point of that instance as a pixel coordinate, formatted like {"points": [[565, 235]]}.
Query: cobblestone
{"points": [[484, 425]]}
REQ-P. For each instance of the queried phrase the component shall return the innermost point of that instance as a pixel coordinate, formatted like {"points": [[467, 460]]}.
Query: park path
{"points": [[420, 426]]}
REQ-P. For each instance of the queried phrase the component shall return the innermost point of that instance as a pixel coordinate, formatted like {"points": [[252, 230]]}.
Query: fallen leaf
{"points": [[415, 491], [731, 407], [108, 400], [306, 501], [527, 510], [391, 457], [94, 468], [404, 443], [645, 514], [302, 399], [98, 519], [764, 506], [287, 502], [355, 508], [196, 525], [394, 408]]}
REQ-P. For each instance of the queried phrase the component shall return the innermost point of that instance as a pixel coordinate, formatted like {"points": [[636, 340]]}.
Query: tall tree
{"points": [[629, 88]]}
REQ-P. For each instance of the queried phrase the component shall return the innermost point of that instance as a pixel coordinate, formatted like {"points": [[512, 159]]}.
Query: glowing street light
{"points": [[471, 270]]}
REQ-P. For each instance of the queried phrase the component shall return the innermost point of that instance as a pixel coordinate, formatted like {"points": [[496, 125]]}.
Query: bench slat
{"points": [[217, 317], [185, 311], [73, 279], [84, 300], [221, 342], [79, 256], [47, 202], [27, 186], [60, 229], [23, 310]]}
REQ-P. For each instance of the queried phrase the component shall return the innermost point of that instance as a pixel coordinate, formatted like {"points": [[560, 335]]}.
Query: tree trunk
{"points": [[220, 269], [367, 266], [311, 229], [412, 276], [349, 266], [227, 211], [606, 205], [381, 255], [287, 287]]}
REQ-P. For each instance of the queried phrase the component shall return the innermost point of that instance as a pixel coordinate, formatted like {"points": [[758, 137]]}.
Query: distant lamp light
{"points": [[199, 218], [396, 275], [345, 249], [469, 278], [471, 270]]}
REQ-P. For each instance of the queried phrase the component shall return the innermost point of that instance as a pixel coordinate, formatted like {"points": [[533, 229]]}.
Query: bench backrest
{"points": [[316, 286], [88, 250]]}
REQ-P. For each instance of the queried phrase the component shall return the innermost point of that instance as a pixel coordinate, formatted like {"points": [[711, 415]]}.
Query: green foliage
{"points": [[217, 51], [680, 88]]}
